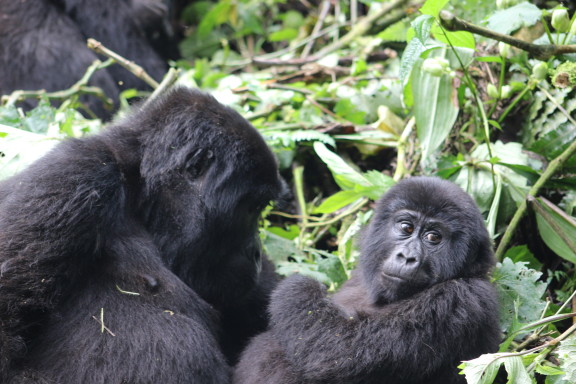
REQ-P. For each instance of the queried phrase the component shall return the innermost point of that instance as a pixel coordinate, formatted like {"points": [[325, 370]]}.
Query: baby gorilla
{"points": [[419, 304]]}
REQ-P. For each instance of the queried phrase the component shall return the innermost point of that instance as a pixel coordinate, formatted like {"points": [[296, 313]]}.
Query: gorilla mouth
{"points": [[394, 278]]}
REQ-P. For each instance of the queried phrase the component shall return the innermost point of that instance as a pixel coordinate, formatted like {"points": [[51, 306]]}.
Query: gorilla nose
{"points": [[407, 260]]}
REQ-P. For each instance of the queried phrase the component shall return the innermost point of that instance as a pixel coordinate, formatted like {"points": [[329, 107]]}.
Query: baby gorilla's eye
{"points": [[434, 238], [407, 228]]}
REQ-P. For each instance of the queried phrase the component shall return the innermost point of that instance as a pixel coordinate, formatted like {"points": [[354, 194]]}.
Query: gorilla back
{"points": [[120, 252]]}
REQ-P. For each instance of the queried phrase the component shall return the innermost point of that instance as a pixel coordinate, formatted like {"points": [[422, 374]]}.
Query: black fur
{"points": [[151, 227], [419, 303], [44, 45]]}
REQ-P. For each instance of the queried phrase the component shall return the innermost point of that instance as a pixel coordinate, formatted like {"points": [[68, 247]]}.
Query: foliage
{"points": [[354, 96]]}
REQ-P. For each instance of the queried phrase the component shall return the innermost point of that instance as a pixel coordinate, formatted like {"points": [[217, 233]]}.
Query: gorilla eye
{"points": [[407, 228], [434, 238]]}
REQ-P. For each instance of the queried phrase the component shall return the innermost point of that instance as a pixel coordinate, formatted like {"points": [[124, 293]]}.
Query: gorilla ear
{"points": [[484, 260]]}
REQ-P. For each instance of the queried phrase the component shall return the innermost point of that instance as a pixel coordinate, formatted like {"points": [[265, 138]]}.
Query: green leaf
{"points": [[278, 248], [520, 292], [332, 267], [558, 229], [554, 142], [347, 110], [517, 373], [344, 174], [422, 26], [522, 253], [481, 370], [462, 39], [548, 370], [20, 148], [435, 108], [510, 19], [218, 15], [337, 201], [416, 46], [489, 59], [566, 352], [433, 7], [283, 35]]}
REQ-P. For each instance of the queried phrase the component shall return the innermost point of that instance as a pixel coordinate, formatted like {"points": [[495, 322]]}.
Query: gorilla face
{"points": [[207, 175], [425, 231]]}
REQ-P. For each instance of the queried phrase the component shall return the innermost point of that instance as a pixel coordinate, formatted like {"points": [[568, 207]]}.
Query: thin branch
{"points": [[362, 26], [317, 28], [169, 79], [79, 88], [137, 70], [540, 52]]}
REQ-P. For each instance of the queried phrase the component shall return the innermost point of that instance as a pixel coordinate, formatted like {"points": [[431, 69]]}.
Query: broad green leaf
{"points": [[332, 267], [481, 370], [349, 111], [558, 229], [554, 142], [510, 19], [346, 176], [380, 180], [338, 200], [548, 370], [433, 7], [520, 292], [20, 148], [522, 253], [421, 27], [219, 14], [395, 32], [489, 59], [566, 352], [435, 108], [493, 213], [517, 373], [462, 39], [278, 247], [283, 35]]}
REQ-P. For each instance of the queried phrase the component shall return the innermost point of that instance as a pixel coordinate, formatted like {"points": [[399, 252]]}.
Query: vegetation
{"points": [[353, 96]]}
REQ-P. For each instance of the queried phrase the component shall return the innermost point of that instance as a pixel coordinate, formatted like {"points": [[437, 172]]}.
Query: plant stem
{"points": [[554, 165], [137, 70], [540, 52]]}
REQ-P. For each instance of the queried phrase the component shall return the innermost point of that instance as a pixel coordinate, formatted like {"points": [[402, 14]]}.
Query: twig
{"points": [[101, 322], [137, 70], [362, 26], [401, 149], [168, 80], [540, 52], [79, 88], [316, 31]]}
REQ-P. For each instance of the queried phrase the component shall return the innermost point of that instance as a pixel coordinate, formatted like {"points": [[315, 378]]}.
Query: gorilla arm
{"points": [[54, 217], [412, 338]]}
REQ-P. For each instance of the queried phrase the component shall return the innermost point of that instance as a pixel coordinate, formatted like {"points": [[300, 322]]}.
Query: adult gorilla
{"points": [[120, 253], [44, 45], [419, 303]]}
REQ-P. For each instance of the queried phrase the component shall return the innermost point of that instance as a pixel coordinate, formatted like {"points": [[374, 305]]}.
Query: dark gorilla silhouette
{"points": [[43, 45], [419, 304], [122, 255]]}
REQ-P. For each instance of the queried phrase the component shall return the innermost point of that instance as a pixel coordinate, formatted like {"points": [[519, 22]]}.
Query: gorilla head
{"points": [[425, 230], [204, 178]]}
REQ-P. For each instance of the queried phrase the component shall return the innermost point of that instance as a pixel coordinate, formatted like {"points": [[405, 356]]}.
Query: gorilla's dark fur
{"points": [[419, 303], [123, 255], [43, 44]]}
